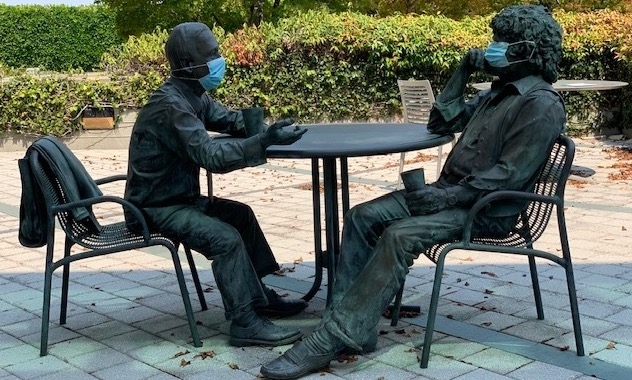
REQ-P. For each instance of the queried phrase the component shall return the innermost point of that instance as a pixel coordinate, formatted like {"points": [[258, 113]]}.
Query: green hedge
{"points": [[56, 37], [319, 66]]}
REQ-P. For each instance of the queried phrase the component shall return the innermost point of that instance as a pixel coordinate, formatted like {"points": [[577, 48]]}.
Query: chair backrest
{"points": [[417, 99], [551, 182], [75, 224]]}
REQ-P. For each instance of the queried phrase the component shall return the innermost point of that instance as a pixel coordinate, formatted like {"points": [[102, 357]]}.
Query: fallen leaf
{"points": [[623, 228], [564, 348], [490, 274], [233, 366], [184, 363], [488, 291], [181, 353], [611, 346], [205, 354]]}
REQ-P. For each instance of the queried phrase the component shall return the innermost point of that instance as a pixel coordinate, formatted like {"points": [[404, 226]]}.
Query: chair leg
{"points": [[572, 295], [64, 284], [397, 305], [439, 155], [536, 287], [432, 310], [185, 297], [48, 279], [196, 278], [402, 157]]}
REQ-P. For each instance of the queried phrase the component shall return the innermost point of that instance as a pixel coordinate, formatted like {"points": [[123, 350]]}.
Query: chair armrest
{"points": [[104, 180], [500, 195], [138, 215]]}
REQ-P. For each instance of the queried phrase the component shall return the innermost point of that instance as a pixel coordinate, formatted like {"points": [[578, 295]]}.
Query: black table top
{"points": [[358, 139]]}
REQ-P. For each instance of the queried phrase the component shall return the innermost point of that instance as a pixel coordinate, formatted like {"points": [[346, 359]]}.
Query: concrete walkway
{"points": [[126, 319]]}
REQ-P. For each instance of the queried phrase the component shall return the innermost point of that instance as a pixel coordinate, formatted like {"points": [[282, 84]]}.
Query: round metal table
{"points": [[339, 141], [572, 85]]}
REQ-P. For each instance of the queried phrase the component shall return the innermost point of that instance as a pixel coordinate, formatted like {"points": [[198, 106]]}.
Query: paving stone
{"points": [[127, 370], [619, 354], [18, 354], [497, 361], [38, 367], [539, 370], [483, 374], [441, 368], [96, 360]]}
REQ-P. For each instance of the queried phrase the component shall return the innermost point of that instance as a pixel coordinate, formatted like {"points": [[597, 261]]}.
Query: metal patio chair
{"points": [[80, 226], [417, 99], [547, 195]]}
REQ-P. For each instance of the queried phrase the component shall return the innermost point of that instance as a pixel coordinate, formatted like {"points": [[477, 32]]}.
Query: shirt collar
{"points": [[522, 85], [185, 90]]}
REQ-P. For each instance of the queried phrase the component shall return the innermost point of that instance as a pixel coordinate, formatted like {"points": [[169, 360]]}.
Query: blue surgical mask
{"points": [[216, 70], [496, 53]]}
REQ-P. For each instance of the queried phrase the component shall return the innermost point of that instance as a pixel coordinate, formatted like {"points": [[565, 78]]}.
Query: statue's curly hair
{"points": [[533, 23]]}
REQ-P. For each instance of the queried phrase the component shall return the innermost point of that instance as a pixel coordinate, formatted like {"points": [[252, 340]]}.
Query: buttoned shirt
{"points": [[507, 132], [170, 143]]}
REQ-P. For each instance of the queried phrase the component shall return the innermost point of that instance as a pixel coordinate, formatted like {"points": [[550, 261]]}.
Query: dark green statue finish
{"points": [[169, 145], [506, 134]]}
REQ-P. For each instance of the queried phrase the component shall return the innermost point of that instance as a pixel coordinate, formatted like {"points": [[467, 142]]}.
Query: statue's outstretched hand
{"points": [[277, 135]]}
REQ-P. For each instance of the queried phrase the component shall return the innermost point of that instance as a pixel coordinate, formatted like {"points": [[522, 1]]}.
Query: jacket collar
{"points": [[522, 85]]}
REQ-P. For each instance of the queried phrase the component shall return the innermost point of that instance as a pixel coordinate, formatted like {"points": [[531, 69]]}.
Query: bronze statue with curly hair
{"points": [[507, 132]]}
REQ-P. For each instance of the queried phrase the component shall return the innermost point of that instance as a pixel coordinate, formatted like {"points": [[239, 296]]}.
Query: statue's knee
{"points": [[403, 245], [361, 215]]}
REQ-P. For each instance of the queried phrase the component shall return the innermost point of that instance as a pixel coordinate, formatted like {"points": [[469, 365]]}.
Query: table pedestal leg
{"points": [[332, 236], [318, 248]]}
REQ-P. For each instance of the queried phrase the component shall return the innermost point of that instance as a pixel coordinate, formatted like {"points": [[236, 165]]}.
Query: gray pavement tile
{"points": [[96, 360], [483, 374], [539, 370], [18, 354], [535, 331], [497, 361], [619, 354], [78, 321], [163, 350], [131, 340], [8, 341], [162, 376], [494, 320], [248, 359], [74, 347], [441, 368], [160, 322], [24, 328], [56, 334], [68, 374], [454, 348], [106, 330], [127, 370], [39, 367], [377, 370], [623, 317], [622, 334]]}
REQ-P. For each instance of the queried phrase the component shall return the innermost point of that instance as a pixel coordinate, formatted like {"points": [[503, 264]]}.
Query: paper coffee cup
{"points": [[253, 120], [413, 179]]}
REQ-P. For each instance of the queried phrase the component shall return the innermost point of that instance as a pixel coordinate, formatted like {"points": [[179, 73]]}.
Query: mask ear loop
{"points": [[530, 55], [188, 69]]}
